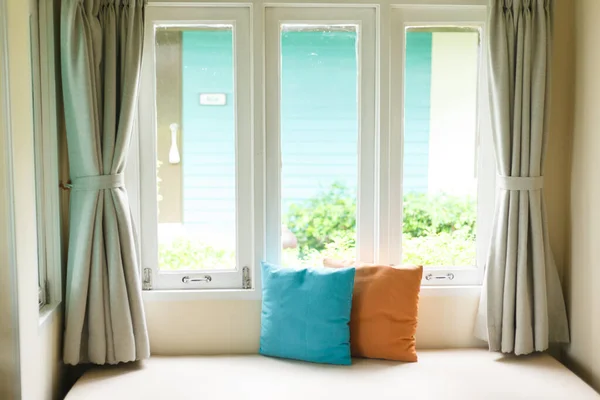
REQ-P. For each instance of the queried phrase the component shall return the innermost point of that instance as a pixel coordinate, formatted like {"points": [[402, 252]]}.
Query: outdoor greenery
{"points": [[427, 215], [437, 230], [186, 254], [327, 218], [443, 249]]}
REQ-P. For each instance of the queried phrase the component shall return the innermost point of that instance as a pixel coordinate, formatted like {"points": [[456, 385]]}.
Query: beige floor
{"points": [[439, 374]]}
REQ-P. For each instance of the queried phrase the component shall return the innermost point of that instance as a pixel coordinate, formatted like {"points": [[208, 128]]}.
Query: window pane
{"points": [[319, 141], [196, 141], [440, 146]]}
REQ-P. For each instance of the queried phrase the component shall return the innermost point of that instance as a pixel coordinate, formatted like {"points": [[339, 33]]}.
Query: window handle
{"points": [[448, 276], [205, 278]]}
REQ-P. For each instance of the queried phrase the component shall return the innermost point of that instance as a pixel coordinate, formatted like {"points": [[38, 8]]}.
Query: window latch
{"points": [[147, 279], [449, 276], [246, 281], [205, 278]]}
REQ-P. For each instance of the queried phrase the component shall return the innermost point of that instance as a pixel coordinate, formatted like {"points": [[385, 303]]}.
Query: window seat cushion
{"points": [[439, 374]]}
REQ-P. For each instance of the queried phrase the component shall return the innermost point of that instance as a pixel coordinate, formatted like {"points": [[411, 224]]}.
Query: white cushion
{"points": [[440, 374]]}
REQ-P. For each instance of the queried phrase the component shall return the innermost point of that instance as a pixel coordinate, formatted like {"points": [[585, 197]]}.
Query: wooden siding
{"points": [[319, 112], [208, 132], [319, 127], [417, 95]]}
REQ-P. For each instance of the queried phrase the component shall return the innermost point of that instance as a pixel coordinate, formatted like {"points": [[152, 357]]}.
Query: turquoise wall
{"points": [[417, 107], [319, 118], [208, 132]]}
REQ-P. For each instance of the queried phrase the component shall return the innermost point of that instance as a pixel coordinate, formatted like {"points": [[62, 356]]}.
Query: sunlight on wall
{"points": [[453, 119]]}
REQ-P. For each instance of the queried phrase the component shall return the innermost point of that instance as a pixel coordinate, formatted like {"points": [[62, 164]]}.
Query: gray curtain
{"points": [[522, 308], [101, 48]]}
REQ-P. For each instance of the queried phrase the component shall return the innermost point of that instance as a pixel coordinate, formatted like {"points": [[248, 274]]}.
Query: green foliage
{"points": [[440, 250], [437, 231], [427, 215], [184, 253], [328, 217], [340, 249], [331, 216]]}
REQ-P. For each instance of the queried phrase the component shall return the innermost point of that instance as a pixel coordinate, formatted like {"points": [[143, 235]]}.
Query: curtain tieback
{"points": [[98, 182], [520, 183]]}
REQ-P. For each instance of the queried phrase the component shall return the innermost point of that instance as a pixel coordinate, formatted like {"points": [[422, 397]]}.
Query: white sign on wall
{"points": [[213, 99]]}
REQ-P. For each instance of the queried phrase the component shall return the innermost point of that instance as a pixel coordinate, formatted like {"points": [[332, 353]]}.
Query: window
{"points": [[291, 133], [45, 139], [319, 140], [320, 69], [443, 159], [439, 171], [197, 137]]}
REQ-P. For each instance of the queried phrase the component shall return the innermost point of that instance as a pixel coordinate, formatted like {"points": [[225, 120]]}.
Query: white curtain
{"points": [[101, 49], [522, 307]]}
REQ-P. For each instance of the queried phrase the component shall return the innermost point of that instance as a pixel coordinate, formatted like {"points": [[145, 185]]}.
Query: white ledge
{"points": [[208, 294], [450, 291], [253, 294]]}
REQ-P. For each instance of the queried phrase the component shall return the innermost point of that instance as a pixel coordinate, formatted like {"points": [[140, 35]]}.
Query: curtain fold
{"points": [[101, 49], [522, 307]]}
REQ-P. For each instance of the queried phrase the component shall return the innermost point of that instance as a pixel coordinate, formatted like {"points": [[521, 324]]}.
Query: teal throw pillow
{"points": [[305, 313]]}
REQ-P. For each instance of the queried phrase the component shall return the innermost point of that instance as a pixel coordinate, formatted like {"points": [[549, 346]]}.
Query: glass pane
{"points": [[440, 146], [319, 141], [196, 139]]}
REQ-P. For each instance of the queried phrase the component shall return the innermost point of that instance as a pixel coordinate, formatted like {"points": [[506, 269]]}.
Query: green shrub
{"points": [[438, 250], [437, 230], [426, 215], [340, 248], [329, 216], [442, 249], [184, 253]]}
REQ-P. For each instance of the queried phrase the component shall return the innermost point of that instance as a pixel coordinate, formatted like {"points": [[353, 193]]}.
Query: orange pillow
{"points": [[385, 302]]}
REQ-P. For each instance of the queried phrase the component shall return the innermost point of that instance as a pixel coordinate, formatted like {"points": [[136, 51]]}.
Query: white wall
{"points": [[583, 355], [9, 344], [233, 326], [39, 345], [51, 370], [24, 193], [558, 157]]}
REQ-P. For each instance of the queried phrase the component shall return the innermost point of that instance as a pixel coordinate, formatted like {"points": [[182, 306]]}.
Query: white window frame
{"points": [[181, 15], [379, 216], [365, 19], [36, 101], [443, 16], [45, 123]]}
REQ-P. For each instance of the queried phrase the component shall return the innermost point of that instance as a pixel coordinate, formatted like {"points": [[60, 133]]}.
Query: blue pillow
{"points": [[305, 313]]}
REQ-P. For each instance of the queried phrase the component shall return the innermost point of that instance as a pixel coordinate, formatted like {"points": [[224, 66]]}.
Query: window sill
{"points": [[450, 291], [234, 294], [48, 313], [189, 295]]}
